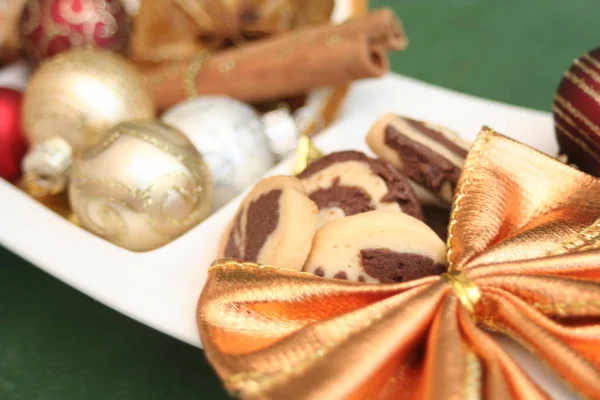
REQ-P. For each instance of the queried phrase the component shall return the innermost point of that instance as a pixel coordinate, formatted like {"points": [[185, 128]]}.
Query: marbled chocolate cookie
{"points": [[376, 247], [274, 225], [349, 182], [430, 155]]}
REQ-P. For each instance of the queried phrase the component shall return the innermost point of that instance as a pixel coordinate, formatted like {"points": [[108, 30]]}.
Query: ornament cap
{"points": [[46, 167]]}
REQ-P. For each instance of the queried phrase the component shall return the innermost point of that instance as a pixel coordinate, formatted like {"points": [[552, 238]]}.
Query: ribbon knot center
{"points": [[464, 288]]}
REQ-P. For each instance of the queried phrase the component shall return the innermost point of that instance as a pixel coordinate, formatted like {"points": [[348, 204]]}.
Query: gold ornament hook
{"points": [[306, 153]]}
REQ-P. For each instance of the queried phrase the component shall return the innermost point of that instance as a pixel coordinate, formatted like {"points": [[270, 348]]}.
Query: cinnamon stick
{"points": [[287, 65], [251, 74], [382, 27]]}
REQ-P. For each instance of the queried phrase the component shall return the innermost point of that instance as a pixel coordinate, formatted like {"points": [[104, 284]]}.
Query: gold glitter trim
{"points": [[238, 264], [557, 110], [578, 141], [568, 106], [583, 86], [590, 72], [227, 65], [587, 239], [587, 57], [194, 68], [474, 153]]}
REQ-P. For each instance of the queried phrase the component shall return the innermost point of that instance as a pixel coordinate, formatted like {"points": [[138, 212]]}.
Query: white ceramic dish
{"points": [[160, 288]]}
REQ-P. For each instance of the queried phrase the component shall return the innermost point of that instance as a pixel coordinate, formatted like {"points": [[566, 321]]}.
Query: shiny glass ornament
{"points": [[12, 142], [577, 112], [231, 137], [79, 94], [142, 185], [50, 27]]}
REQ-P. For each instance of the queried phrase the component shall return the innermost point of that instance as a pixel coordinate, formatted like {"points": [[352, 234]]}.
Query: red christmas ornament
{"points": [[12, 142], [577, 113], [49, 27]]}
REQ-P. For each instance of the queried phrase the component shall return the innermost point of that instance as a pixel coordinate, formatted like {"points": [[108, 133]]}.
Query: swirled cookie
{"points": [[378, 246], [274, 225], [430, 155], [348, 182]]}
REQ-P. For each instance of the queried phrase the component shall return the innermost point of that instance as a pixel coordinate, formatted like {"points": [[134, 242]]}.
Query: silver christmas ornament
{"points": [[231, 137]]}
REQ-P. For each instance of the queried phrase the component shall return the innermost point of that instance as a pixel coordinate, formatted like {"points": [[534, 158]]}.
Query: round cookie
{"points": [[376, 247], [274, 225], [430, 155], [348, 182]]}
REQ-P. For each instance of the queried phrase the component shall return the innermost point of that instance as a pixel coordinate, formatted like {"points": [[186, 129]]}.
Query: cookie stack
{"points": [[349, 216]]}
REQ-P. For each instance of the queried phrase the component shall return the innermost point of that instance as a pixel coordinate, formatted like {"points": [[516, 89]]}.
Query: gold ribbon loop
{"points": [[464, 288]]}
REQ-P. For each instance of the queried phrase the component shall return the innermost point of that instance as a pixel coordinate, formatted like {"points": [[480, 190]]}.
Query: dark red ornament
{"points": [[577, 113], [49, 27], [13, 144]]}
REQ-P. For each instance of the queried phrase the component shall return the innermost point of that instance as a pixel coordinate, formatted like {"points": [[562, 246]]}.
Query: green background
{"points": [[56, 343]]}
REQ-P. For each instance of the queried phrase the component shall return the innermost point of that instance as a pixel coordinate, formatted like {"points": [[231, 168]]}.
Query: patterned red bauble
{"points": [[12, 142], [49, 27], [577, 113]]}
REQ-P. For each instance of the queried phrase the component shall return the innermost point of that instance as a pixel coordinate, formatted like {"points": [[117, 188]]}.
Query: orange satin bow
{"points": [[522, 261]]}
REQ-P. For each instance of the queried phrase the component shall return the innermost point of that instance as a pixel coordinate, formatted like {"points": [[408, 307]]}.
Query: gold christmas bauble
{"points": [[79, 94], [142, 185]]}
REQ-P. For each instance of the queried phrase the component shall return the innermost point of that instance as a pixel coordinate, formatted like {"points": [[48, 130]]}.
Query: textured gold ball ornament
{"points": [[78, 95], [142, 185]]}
